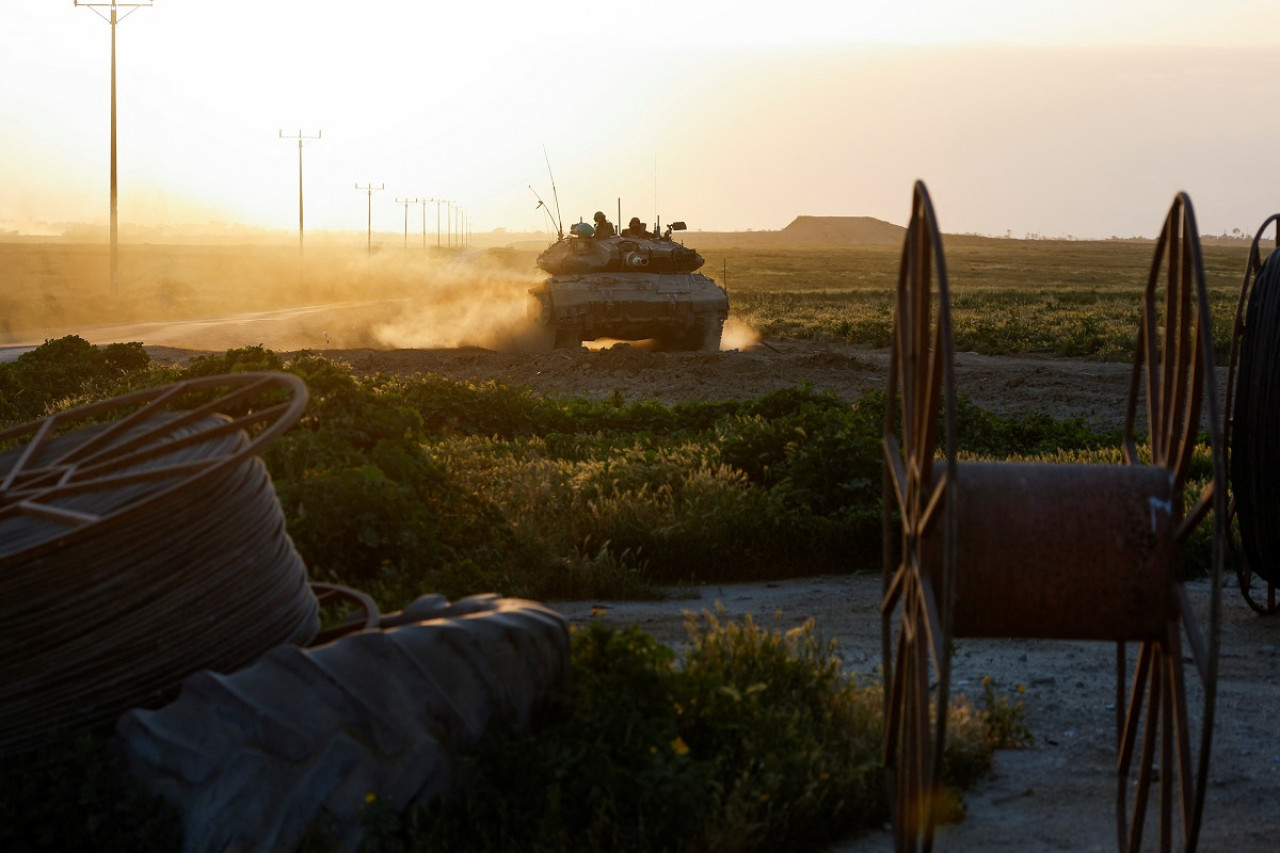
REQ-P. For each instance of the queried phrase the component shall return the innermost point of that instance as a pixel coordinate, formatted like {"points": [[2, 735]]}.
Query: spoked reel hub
{"points": [[1078, 552]]}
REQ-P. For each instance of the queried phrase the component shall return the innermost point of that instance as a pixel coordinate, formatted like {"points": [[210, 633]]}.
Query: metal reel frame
{"points": [[922, 377], [142, 442], [1174, 368]]}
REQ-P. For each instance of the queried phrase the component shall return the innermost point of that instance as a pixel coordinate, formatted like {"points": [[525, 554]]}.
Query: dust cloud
{"points": [[211, 296], [738, 334], [467, 301]]}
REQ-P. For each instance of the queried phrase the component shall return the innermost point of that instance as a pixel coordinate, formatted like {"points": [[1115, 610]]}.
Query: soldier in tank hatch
{"points": [[635, 228], [604, 228]]}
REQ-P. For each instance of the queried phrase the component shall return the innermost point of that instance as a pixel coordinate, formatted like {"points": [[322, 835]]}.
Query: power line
{"points": [[113, 19], [371, 189], [300, 138]]}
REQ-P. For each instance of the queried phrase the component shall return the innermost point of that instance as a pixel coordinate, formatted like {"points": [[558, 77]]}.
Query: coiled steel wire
{"points": [[138, 551], [1255, 450]]}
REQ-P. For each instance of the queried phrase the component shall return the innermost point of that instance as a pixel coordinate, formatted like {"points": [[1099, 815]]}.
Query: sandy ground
{"points": [[1056, 796], [1060, 794]]}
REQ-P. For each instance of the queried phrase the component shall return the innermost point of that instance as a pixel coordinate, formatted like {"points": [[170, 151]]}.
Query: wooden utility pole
{"points": [[300, 138], [371, 189], [113, 19], [438, 202], [406, 202]]}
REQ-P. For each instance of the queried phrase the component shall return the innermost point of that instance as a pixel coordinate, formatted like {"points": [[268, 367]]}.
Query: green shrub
{"points": [[758, 741], [63, 371]]}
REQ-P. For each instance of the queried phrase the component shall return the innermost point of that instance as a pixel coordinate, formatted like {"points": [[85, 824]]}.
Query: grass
{"points": [[1069, 298]]}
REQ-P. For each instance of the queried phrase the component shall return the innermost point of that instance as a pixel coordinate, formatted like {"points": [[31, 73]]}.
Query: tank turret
{"points": [[630, 288]]}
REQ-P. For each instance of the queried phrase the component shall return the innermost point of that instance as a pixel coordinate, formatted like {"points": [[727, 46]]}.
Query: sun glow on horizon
{"points": [[1019, 114]]}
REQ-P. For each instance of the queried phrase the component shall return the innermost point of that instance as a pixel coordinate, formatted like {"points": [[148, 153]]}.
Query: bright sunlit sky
{"points": [[1053, 117]]}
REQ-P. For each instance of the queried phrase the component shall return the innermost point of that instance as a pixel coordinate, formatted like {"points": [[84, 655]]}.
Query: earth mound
{"points": [[843, 231]]}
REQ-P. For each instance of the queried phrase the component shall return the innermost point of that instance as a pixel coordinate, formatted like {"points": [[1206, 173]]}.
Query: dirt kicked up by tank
{"points": [[633, 286]]}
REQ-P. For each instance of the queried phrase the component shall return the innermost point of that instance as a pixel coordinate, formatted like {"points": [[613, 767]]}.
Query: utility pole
{"points": [[113, 20], [406, 202], [424, 224], [438, 202], [300, 137], [371, 189]]}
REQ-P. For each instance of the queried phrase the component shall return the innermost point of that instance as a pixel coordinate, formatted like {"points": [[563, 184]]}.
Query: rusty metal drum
{"points": [[1020, 524]]}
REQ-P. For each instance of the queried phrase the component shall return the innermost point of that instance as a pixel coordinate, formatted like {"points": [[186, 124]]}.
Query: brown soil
{"points": [[1058, 795]]}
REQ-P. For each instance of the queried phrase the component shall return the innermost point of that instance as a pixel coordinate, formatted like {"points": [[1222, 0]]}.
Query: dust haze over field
{"points": [[468, 300], [216, 296], [334, 296]]}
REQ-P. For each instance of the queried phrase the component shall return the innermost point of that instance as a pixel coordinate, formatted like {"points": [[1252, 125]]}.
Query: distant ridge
{"points": [[807, 231], [842, 231]]}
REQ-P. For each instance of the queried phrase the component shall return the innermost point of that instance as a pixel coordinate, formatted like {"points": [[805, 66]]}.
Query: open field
{"points": [[1069, 298]]}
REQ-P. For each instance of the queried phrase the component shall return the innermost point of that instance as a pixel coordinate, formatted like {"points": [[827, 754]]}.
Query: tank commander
{"points": [[604, 228], [635, 228]]}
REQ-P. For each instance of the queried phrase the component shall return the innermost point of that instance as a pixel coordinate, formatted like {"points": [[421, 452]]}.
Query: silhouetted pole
{"points": [[300, 137], [424, 224], [371, 189], [406, 202], [113, 20], [439, 201]]}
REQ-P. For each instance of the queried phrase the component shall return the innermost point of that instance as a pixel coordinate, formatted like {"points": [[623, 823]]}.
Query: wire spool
{"points": [[140, 541], [1026, 550], [1255, 423]]}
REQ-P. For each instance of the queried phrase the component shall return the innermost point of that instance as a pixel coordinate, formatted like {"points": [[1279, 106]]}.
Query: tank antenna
{"points": [[543, 205], [554, 195], [655, 194]]}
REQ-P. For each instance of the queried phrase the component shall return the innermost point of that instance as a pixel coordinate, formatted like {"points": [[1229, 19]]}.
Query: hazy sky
{"points": [[1057, 117]]}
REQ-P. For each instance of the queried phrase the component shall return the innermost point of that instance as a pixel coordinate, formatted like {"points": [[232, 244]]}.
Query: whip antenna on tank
{"points": [[543, 205], [554, 195]]}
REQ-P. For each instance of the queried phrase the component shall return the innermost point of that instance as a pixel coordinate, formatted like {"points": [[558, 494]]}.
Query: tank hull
{"points": [[683, 311]]}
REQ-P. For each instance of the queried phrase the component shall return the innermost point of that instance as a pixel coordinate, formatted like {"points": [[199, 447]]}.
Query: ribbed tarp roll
{"points": [[254, 757], [167, 576]]}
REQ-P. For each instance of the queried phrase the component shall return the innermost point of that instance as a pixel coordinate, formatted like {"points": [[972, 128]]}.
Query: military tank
{"points": [[629, 288]]}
